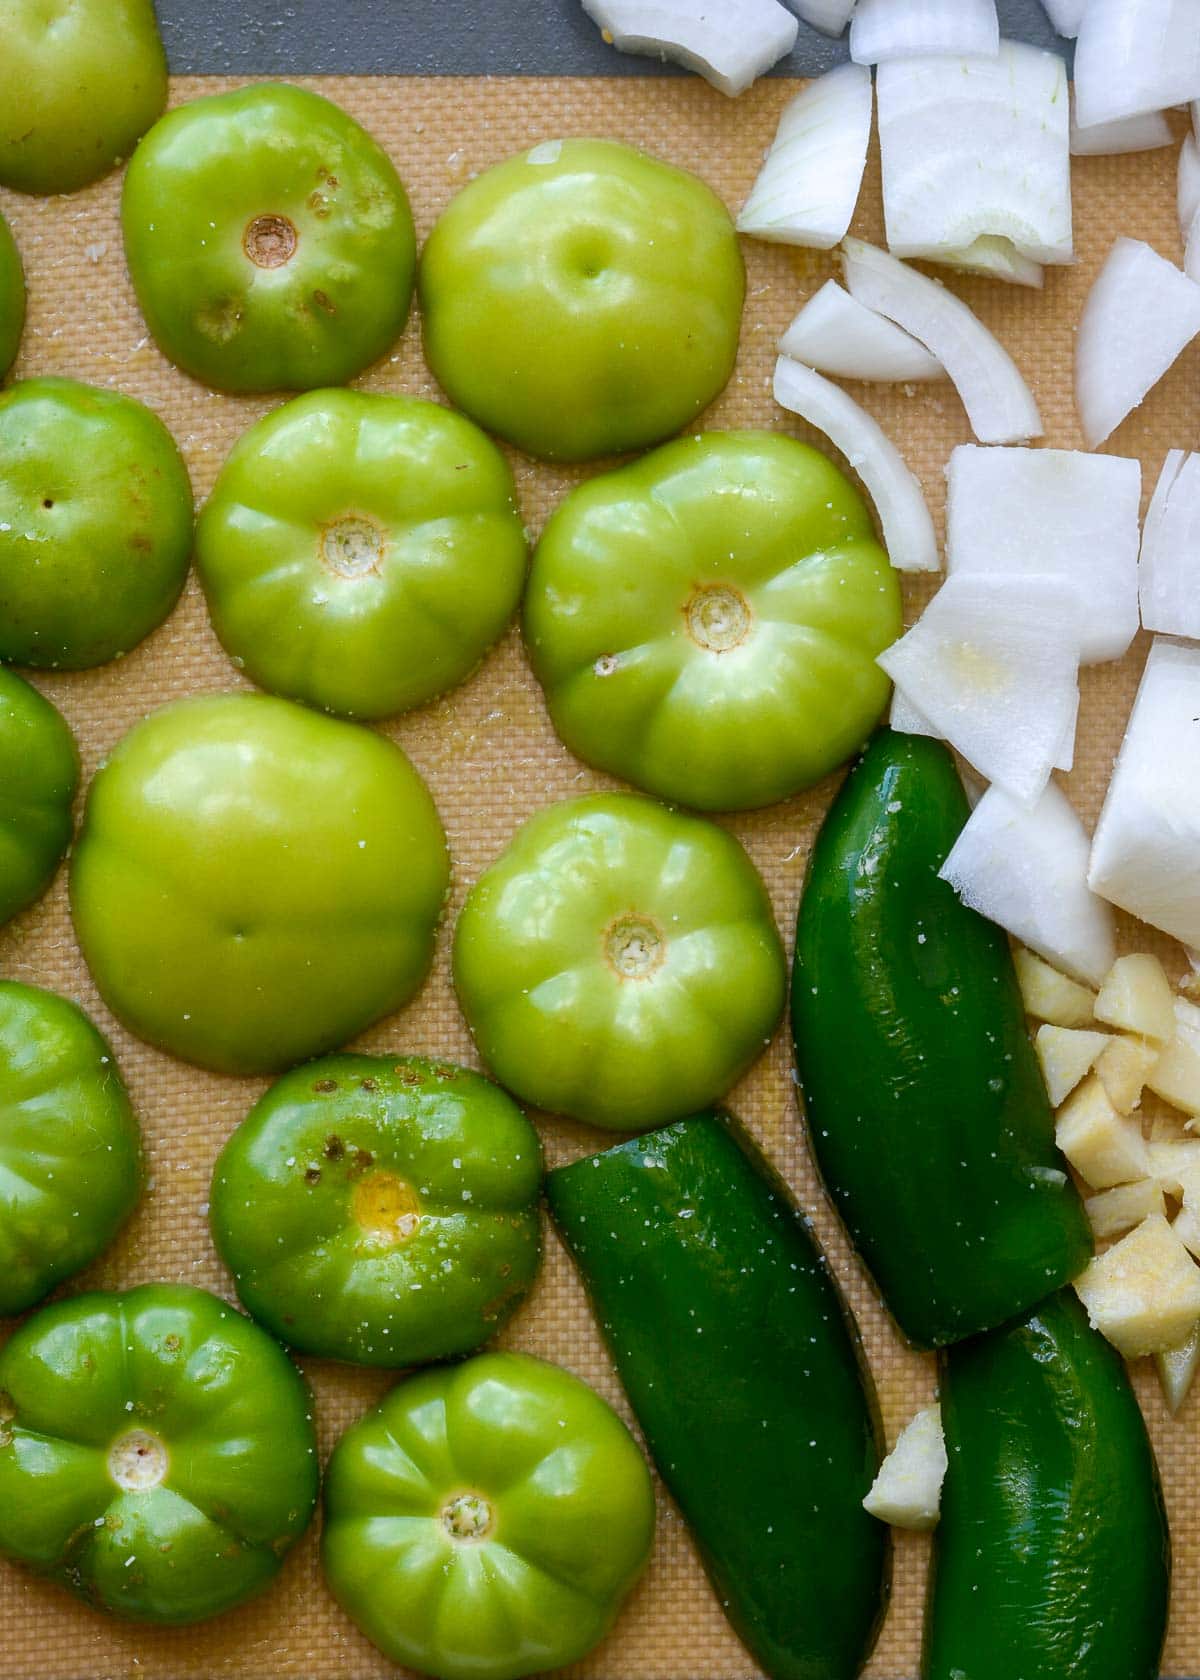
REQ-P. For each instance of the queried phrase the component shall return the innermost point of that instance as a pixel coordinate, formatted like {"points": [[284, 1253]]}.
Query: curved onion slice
{"points": [[829, 16], [839, 336], [730, 44], [975, 146], [1065, 15], [994, 256], [998, 402], [1140, 313], [1145, 132], [889, 29], [1136, 55], [1188, 194], [908, 533], [1169, 574], [809, 182]]}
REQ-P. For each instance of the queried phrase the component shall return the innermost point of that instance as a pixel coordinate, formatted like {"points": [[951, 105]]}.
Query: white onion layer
{"points": [[890, 29], [908, 533], [729, 42], [1065, 16], [993, 256], [1139, 315], [1136, 55], [998, 402], [1188, 191], [1170, 567], [1055, 513], [977, 146], [837, 335], [1145, 132], [829, 16], [808, 185]]}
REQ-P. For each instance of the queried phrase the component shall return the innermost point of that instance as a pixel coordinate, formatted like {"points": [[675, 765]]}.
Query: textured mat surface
{"points": [[491, 759]]}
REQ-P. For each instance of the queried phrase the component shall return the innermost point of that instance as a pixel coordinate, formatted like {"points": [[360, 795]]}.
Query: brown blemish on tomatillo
{"points": [[634, 947], [137, 1461], [352, 547], [270, 241], [468, 1517], [386, 1209], [718, 618]]}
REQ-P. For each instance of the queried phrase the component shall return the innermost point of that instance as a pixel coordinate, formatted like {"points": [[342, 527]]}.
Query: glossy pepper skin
{"points": [[487, 1519], [361, 552], [380, 1210], [269, 240], [743, 1366], [39, 772], [79, 83], [706, 621], [1052, 1558], [157, 1453], [253, 883], [70, 1152], [582, 299], [925, 1106], [12, 298], [95, 523]]}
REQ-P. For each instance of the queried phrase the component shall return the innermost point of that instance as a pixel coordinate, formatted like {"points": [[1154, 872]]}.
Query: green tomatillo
{"points": [[39, 772], [705, 622], [380, 1211], [582, 299], [95, 523], [253, 884], [70, 1155], [80, 82], [361, 552], [157, 1452], [487, 1520], [619, 962], [12, 298], [269, 240]]}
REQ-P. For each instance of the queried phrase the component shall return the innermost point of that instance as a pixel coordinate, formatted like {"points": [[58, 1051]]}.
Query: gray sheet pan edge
{"points": [[451, 38]]}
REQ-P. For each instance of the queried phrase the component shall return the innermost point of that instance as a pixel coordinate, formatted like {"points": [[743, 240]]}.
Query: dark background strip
{"points": [[449, 38]]}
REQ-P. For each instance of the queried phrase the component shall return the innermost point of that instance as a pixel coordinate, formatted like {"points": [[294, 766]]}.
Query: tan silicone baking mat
{"points": [[492, 759]]}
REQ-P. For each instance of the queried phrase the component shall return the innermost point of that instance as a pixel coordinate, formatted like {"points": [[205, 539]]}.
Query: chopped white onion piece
{"points": [[996, 257], [908, 533], [1146, 852], [1027, 870], [992, 665], [998, 402], [1170, 569], [808, 185], [836, 334], [1065, 16], [889, 29], [829, 16], [1136, 55], [1140, 313], [974, 146], [1188, 194], [1145, 132], [1059, 513], [730, 44], [906, 718], [1191, 254]]}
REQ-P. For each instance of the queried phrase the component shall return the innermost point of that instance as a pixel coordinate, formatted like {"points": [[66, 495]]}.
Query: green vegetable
{"points": [[39, 772], [925, 1105], [269, 240], [95, 523], [12, 298], [1052, 1557], [80, 82], [582, 299], [486, 1520], [157, 1452], [743, 1365], [254, 884], [619, 962], [380, 1211], [70, 1155], [705, 622], [361, 552]]}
